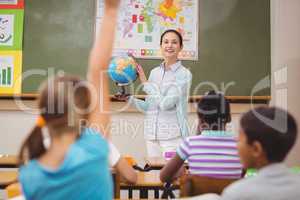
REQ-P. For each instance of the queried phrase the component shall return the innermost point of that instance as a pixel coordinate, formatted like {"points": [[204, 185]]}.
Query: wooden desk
{"points": [[150, 181], [8, 161], [155, 163], [7, 178]]}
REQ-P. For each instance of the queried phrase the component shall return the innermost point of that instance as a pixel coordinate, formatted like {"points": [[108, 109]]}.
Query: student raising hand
{"points": [[75, 163], [99, 60]]}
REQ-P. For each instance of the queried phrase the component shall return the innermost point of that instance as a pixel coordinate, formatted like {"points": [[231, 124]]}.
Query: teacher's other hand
{"points": [[141, 74]]}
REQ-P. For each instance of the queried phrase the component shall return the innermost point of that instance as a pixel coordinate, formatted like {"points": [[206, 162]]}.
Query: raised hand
{"points": [[112, 4], [139, 69], [99, 60]]}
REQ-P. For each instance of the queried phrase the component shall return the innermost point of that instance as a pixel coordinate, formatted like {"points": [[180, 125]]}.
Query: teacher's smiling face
{"points": [[171, 45]]}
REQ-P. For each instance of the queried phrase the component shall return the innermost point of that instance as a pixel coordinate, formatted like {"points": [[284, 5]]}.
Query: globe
{"points": [[122, 70]]}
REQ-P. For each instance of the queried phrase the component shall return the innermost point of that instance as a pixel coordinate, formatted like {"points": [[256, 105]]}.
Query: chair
{"points": [[149, 181], [192, 185], [13, 190], [7, 178], [116, 182], [8, 161]]}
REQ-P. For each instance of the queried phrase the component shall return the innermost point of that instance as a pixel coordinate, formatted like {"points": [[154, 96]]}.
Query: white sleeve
{"points": [[114, 154]]}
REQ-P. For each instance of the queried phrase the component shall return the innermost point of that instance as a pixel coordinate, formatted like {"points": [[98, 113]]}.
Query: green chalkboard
{"points": [[234, 43], [58, 35]]}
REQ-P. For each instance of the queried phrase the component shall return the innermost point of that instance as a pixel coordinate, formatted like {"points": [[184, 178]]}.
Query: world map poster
{"points": [[141, 22]]}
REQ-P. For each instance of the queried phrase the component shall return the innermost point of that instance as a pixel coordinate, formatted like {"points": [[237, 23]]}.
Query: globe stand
{"points": [[121, 94]]}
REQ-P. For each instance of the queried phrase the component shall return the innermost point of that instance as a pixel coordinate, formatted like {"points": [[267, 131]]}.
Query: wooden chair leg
{"points": [[156, 194], [144, 194], [130, 193]]}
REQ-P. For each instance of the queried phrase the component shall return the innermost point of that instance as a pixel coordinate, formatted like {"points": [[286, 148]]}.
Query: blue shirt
{"points": [[84, 173], [166, 102]]}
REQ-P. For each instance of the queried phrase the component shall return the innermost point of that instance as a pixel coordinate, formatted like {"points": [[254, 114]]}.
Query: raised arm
{"points": [[100, 56]]}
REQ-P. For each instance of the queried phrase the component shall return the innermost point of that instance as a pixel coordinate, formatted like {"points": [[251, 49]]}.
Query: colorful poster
{"points": [[6, 30], [141, 22], [11, 36], [11, 29], [11, 4], [10, 72]]}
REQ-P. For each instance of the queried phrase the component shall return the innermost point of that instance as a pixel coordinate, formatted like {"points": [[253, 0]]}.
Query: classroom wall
{"points": [[285, 58], [126, 132]]}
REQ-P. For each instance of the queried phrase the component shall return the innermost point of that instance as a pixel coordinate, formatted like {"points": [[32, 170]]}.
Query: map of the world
{"points": [[141, 22]]}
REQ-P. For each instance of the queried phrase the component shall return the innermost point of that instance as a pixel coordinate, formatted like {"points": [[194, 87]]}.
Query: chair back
{"points": [[116, 182], [192, 185]]}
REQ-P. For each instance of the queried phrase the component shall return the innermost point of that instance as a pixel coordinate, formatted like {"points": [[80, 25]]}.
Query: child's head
{"points": [[213, 112], [63, 101], [266, 136]]}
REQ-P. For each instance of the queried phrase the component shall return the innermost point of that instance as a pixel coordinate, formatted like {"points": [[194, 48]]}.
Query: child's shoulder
{"points": [[221, 133], [31, 165], [91, 134], [30, 173], [239, 188], [193, 137], [213, 135], [92, 139]]}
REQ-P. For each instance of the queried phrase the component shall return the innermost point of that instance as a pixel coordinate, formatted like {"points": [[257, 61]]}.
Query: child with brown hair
{"points": [[75, 165], [213, 152], [266, 136]]}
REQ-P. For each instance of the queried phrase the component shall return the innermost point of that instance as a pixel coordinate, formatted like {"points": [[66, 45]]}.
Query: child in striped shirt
{"points": [[213, 152]]}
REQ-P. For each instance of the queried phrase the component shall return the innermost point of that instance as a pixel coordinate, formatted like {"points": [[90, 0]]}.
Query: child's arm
{"points": [[121, 165], [126, 171], [172, 170], [99, 60], [175, 168]]}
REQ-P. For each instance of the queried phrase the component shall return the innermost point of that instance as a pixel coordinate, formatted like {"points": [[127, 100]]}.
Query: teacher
{"points": [[165, 105]]}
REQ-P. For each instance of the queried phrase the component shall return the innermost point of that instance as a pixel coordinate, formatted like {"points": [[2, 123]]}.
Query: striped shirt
{"points": [[213, 153]]}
